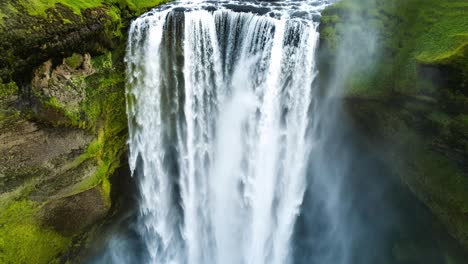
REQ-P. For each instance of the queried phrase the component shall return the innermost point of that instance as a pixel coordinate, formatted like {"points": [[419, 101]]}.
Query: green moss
{"points": [[115, 23], [74, 61], [139, 6], [8, 89], [106, 189], [6, 10], [439, 183], [437, 174], [409, 33], [424, 147], [103, 113], [53, 102], [72, 118], [110, 147], [39, 7], [66, 21], [23, 240]]}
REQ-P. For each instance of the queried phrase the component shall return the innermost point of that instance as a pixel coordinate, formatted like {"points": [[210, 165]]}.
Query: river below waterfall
{"points": [[238, 156]]}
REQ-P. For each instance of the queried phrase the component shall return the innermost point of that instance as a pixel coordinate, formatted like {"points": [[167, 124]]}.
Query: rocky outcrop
{"points": [[71, 214], [63, 81], [63, 124], [24, 49], [58, 92], [29, 150], [59, 155]]}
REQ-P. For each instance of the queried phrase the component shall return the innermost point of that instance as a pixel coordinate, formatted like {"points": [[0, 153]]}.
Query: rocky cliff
{"points": [[62, 122], [411, 102]]}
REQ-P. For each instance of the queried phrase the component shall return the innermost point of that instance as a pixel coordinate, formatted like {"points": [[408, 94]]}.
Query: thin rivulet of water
{"points": [[218, 101]]}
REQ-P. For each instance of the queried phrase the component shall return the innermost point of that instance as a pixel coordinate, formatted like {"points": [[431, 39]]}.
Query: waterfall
{"points": [[219, 101]]}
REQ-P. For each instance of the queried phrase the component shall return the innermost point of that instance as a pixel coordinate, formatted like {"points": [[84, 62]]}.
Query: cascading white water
{"points": [[218, 105]]}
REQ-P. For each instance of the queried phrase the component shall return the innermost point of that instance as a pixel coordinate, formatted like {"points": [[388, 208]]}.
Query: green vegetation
{"points": [[22, 239], [419, 141], [410, 33], [108, 93], [414, 97], [106, 116], [139, 6], [7, 92], [42, 28], [8, 89], [102, 113], [74, 60], [40, 7]]}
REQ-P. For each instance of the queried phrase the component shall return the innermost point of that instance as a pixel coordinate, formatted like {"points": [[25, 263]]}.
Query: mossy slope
{"points": [[414, 98], [23, 240], [410, 34]]}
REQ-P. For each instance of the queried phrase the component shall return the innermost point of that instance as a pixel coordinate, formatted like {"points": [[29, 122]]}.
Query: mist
{"points": [[356, 208]]}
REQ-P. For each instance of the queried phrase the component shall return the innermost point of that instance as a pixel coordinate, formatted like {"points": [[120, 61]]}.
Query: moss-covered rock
{"points": [[34, 31], [63, 123], [71, 214], [413, 101], [28, 41], [413, 142], [61, 89], [410, 35], [69, 156], [34, 161]]}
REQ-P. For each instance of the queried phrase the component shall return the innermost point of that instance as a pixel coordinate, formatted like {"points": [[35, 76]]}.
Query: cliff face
{"points": [[62, 122], [412, 102]]}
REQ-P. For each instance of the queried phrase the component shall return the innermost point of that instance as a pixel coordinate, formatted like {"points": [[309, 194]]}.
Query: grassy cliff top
{"points": [[39, 8], [410, 33]]}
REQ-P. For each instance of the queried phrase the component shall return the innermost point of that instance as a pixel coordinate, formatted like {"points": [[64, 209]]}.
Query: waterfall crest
{"points": [[218, 102]]}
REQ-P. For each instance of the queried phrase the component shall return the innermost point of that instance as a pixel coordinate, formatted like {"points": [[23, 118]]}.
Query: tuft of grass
{"points": [[74, 61]]}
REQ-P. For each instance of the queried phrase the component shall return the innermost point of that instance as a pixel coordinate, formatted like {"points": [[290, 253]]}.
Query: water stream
{"points": [[218, 103]]}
